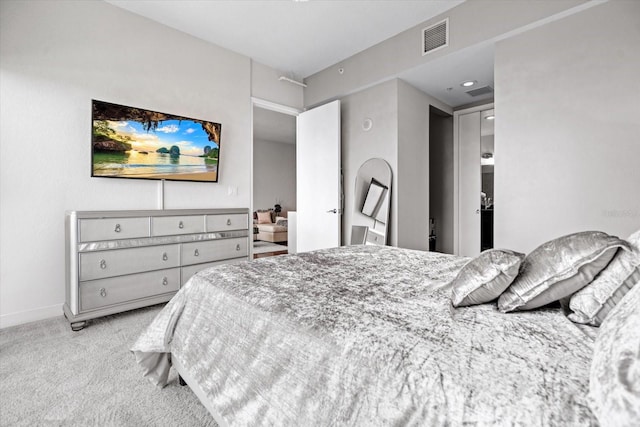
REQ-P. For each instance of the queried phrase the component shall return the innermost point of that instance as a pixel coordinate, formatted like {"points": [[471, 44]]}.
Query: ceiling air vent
{"points": [[480, 91], [435, 37]]}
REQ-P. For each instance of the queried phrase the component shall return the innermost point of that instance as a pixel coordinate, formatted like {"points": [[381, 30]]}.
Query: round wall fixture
{"points": [[367, 124]]}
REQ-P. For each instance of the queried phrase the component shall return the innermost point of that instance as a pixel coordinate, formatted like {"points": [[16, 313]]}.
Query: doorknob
{"points": [[335, 211], [477, 211]]}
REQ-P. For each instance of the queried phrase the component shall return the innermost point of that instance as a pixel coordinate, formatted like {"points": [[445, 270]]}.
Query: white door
{"points": [[318, 207], [470, 184]]}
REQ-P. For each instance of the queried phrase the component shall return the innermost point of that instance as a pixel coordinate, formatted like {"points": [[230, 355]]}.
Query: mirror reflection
{"points": [[487, 162], [372, 203]]}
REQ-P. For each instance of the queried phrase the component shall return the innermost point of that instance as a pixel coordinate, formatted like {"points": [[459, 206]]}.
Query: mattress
{"points": [[365, 335]]}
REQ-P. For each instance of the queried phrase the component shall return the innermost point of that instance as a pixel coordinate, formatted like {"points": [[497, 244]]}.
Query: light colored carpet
{"points": [[260, 247], [51, 376]]}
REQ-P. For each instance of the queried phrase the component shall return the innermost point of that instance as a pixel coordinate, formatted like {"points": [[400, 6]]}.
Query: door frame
{"points": [[456, 170], [267, 105]]}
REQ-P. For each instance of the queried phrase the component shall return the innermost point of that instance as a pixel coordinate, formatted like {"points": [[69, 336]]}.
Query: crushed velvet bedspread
{"points": [[366, 335]]}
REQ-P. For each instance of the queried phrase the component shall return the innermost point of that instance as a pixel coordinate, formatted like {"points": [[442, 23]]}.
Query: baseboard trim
{"points": [[28, 316]]}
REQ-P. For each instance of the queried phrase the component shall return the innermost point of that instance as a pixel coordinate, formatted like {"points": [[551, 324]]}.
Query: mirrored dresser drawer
{"points": [[171, 225], [121, 260], [214, 250], [112, 228], [96, 265], [227, 222], [115, 290]]}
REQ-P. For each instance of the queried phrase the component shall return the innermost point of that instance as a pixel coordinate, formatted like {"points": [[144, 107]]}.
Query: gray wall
{"points": [[472, 22], [380, 104], [412, 176], [567, 128], [55, 58], [265, 85], [274, 175], [400, 135]]}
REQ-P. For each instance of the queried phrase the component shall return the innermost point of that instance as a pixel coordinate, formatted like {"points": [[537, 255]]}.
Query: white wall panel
{"points": [[567, 126]]}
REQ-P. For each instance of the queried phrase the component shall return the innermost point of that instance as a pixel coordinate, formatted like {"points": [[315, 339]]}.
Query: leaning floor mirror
{"points": [[372, 203]]}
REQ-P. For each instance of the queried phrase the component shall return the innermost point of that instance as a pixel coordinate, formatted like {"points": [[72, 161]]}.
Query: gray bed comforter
{"points": [[366, 335]]}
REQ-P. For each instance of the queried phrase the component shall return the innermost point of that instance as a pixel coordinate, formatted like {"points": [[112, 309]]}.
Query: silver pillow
{"points": [[592, 303], [558, 268], [614, 381], [485, 277]]}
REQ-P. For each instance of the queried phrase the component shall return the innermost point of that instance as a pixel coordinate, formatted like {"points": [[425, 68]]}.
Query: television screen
{"points": [[132, 142]]}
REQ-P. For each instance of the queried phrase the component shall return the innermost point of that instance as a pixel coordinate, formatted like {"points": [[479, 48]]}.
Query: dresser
{"points": [[121, 260]]}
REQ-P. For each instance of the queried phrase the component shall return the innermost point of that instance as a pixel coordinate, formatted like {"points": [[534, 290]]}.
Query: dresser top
{"points": [[155, 212]]}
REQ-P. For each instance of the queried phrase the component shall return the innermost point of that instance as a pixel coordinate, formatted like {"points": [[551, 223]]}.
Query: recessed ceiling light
{"points": [[490, 117], [468, 83]]}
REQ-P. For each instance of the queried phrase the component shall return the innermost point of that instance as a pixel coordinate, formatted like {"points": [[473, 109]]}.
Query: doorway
{"points": [[440, 181], [273, 178], [474, 198], [316, 222]]}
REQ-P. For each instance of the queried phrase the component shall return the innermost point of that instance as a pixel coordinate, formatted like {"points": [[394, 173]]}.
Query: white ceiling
{"points": [[294, 37], [441, 78], [300, 38]]}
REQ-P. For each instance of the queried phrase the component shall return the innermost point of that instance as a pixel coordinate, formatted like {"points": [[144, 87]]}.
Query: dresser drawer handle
{"points": [[180, 225], [196, 253], [229, 221], [103, 264], [165, 281], [103, 292], [165, 256], [238, 247], [117, 229]]}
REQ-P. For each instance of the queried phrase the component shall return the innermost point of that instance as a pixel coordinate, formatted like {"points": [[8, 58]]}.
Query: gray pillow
{"points": [[614, 381], [559, 268], [485, 277], [592, 303]]}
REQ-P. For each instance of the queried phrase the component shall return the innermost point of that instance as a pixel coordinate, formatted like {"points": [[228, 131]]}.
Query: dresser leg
{"points": [[181, 381], [77, 326]]}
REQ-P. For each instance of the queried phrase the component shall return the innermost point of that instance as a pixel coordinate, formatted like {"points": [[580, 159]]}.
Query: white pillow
{"points": [[591, 304], [485, 277], [614, 381], [558, 268]]}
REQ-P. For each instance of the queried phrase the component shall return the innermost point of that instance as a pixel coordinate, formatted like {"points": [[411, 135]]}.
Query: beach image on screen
{"points": [[131, 142]]}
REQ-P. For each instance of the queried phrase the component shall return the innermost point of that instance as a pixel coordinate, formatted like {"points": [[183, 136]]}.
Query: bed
{"points": [[365, 335]]}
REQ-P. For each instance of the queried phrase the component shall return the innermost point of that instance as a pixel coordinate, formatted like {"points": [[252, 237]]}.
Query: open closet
{"points": [[474, 198]]}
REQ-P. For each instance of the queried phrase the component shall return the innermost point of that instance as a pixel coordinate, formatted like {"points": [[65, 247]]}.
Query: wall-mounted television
{"points": [[128, 142]]}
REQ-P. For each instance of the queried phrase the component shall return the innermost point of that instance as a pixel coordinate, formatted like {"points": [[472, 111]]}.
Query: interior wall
{"points": [[412, 175], [567, 128], [470, 23], [274, 175], [378, 103], [400, 136], [55, 58], [441, 179], [265, 84]]}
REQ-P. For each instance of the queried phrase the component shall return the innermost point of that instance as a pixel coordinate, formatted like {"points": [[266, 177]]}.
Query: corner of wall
{"points": [[265, 84]]}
